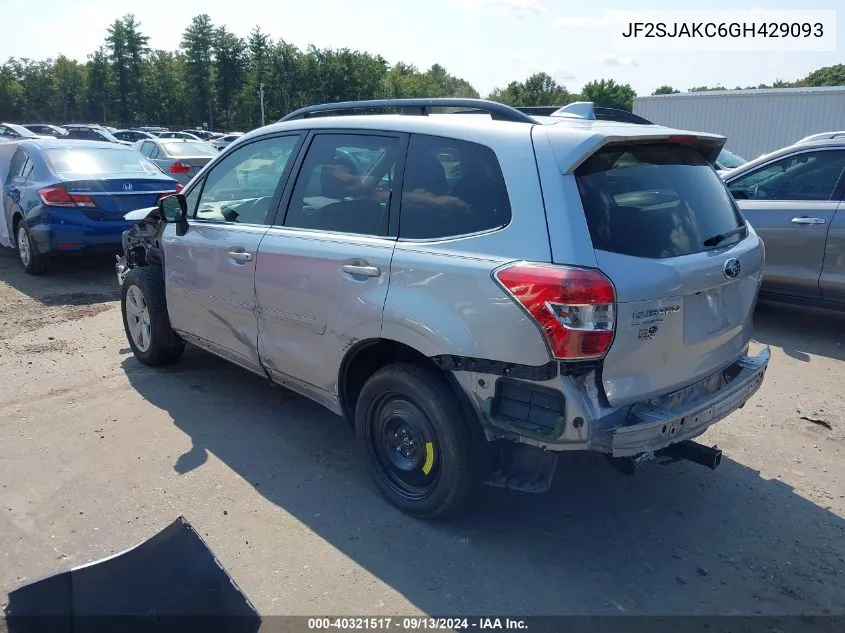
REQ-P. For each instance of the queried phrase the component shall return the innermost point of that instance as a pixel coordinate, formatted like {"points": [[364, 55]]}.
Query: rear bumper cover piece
{"points": [[653, 426]]}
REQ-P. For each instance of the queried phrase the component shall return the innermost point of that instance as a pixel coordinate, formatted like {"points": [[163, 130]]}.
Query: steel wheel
{"points": [[138, 318], [403, 442], [23, 246]]}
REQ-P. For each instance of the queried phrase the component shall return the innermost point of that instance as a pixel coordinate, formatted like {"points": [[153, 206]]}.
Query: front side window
{"points": [[451, 188], [344, 184], [241, 187], [803, 176]]}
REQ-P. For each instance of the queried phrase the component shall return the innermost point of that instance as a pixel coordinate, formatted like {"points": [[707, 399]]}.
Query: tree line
{"points": [[214, 78]]}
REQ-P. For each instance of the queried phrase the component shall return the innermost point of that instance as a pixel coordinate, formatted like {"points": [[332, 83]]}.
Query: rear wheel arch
{"points": [[365, 358]]}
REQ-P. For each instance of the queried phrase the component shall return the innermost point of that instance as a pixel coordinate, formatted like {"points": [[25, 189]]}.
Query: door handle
{"points": [[807, 221], [363, 271], [240, 256]]}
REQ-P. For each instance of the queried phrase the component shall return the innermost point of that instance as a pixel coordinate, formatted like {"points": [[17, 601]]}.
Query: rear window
{"points": [[98, 161], [189, 149], [655, 201]]}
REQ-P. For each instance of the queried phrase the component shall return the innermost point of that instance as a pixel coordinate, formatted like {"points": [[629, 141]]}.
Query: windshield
{"points": [[729, 160], [654, 200], [10, 129], [98, 161], [189, 148]]}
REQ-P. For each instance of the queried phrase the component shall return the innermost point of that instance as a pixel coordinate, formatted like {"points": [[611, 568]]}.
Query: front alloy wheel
{"points": [[145, 317], [138, 318]]}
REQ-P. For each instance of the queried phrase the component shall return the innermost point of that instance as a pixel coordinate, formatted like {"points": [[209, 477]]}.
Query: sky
{"points": [[487, 42]]}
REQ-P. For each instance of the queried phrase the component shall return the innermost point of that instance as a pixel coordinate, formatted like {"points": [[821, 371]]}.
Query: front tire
{"points": [[415, 439], [33, 261], [145, 318]]}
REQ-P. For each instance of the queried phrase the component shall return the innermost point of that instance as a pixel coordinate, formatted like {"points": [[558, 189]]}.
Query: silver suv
{"points": [[476, 291]]}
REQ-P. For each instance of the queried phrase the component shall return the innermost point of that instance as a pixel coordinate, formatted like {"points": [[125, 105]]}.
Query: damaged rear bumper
{"points": [[655, 425]]}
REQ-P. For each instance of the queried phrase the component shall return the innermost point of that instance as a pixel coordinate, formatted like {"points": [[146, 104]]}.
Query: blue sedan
{"points": [[64, 196]]}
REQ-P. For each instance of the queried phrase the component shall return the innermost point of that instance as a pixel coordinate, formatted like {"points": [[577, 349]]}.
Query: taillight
{"points": [[180, 168], [574, 307], [58, 196], [177, 189]]}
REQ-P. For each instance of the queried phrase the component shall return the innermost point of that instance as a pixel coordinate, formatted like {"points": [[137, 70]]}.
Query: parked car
{"points": [[66, 196], [582, 285], [44, 129], [93, 134], [203, 135], [132, 136], [17, 132], [727, 161], [183, 135], [794, 199], [181, 159], [223, 142]]}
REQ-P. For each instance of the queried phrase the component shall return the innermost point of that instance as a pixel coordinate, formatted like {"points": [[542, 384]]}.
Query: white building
{"points": [[754, 121]]}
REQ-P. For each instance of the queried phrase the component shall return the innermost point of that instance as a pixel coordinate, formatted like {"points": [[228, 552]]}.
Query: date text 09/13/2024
{"points": [[420, 623]]}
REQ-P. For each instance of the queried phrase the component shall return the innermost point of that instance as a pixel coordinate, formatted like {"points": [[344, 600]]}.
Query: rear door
{"points": [[791, 203], [684, 295], [210, 272], [323, 268]]}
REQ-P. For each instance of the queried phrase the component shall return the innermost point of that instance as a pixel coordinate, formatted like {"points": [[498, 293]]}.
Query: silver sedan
{"points": [[178, 158]]}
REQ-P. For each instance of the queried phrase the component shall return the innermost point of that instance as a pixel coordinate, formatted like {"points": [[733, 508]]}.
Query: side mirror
{"points": [[174, 210]]}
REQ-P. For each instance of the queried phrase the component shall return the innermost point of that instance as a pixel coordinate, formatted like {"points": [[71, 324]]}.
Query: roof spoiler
{"points": [[588, 111]]}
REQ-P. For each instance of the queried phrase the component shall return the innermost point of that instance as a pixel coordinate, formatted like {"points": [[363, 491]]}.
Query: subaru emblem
{"points": [[732, 268], [127, 186]]}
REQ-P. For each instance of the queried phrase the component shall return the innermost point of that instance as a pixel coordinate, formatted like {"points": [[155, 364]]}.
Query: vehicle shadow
{"points": [[675, 539], [72, 281], [800, 332]]}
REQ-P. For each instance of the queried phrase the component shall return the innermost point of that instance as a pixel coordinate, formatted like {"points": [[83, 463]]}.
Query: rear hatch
{"points": [[685, 266]]}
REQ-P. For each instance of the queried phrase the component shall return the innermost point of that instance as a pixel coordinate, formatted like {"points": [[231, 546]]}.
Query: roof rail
{"points": [[419, 107]]}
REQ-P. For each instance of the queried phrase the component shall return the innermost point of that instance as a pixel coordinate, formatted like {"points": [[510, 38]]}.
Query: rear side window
{"points": [[655, 201], [98, 161], [451, 188]]}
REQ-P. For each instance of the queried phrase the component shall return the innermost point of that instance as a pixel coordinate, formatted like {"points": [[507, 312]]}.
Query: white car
{"points": [[224, 141]]}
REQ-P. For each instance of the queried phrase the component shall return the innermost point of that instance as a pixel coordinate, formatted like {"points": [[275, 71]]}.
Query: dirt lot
{"points": [[97, 453]]}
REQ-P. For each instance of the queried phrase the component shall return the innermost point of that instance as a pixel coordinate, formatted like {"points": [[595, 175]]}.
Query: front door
{"points": [[791, 203], [323, 268], [210, 271]]}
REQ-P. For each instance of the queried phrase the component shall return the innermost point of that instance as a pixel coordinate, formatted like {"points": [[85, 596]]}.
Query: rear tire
{"points": [[33, 261], [413, 434], [145, 318]]}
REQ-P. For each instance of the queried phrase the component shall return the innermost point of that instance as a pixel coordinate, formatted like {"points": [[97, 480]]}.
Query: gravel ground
{"points": [[97, 453]]}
